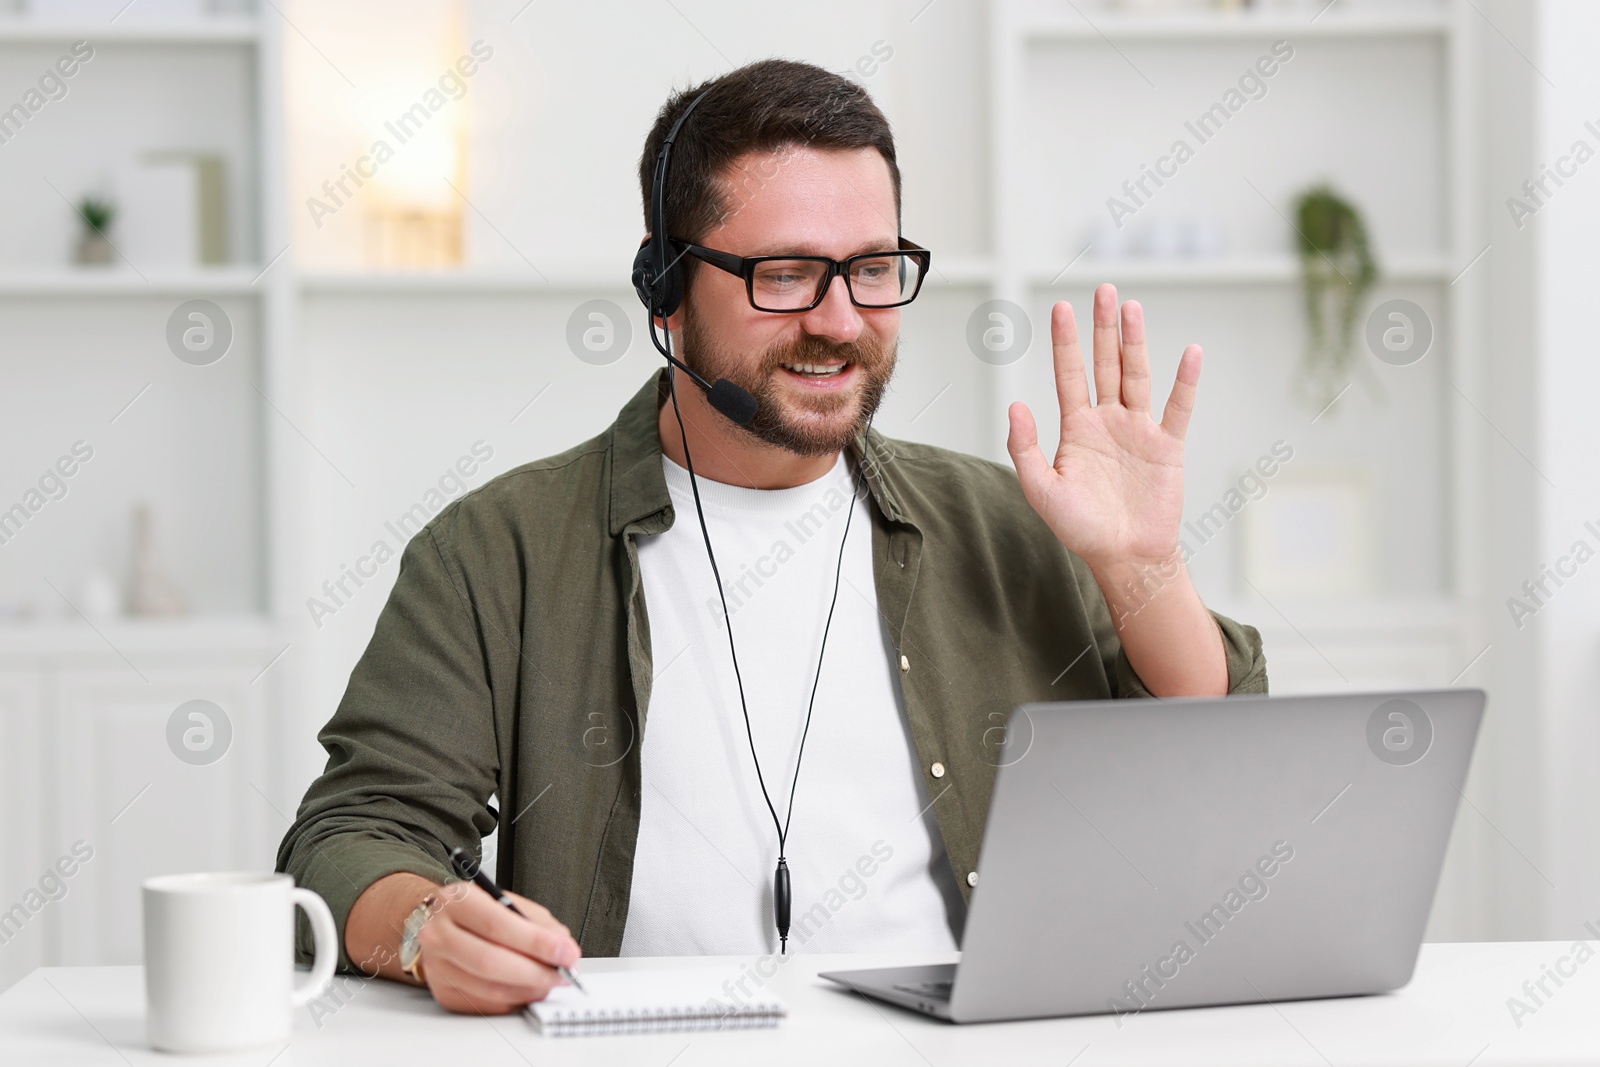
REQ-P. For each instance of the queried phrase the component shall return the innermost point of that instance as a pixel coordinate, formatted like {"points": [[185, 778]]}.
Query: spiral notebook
{"points": [[635, 1002]]}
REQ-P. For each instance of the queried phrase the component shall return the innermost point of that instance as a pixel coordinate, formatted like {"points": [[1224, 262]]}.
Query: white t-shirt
{"points": [[866, 864]]}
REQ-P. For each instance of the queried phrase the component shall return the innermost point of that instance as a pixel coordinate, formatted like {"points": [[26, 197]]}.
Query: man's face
{"points": [[799, 201]]}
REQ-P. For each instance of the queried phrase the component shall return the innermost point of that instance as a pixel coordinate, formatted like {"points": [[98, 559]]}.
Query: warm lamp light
{"points": [[415, 163]]}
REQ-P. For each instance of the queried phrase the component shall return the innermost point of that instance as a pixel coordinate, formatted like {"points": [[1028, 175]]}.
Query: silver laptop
{"points": [[1152, 854]]}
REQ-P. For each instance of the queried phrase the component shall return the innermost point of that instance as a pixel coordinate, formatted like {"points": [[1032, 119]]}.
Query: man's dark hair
{"points": [[760, 107]]}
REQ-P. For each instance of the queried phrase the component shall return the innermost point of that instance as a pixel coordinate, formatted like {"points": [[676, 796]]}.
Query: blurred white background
{"points": [[371, 337]]}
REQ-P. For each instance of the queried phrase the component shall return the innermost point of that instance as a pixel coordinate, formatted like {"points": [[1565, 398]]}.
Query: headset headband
{"points": [[656, 275]]}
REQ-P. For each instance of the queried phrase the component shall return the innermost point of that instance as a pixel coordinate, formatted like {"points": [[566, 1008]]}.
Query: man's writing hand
{"points": [[481, 958]]}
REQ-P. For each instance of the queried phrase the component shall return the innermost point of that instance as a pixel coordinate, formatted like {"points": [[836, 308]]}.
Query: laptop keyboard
{"points": [[931, 990]]}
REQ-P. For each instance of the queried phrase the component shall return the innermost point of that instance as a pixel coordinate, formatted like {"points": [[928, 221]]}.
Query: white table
{"points": [[1453, 1013]]}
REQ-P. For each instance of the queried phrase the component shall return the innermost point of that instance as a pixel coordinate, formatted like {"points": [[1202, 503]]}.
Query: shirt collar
{"points": [[639, 489]]}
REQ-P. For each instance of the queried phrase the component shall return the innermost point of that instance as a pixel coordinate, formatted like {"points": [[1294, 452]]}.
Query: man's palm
{"points": [[1115, 490]]}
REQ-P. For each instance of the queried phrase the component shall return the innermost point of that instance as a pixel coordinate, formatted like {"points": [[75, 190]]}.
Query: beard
{"points": [[817, 425]]}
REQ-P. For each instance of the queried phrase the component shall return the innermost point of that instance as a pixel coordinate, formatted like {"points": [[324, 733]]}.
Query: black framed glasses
{"points": [[798, 283]]}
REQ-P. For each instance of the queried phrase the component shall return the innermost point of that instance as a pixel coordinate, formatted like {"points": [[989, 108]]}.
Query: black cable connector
{"points": [[780, 903]]}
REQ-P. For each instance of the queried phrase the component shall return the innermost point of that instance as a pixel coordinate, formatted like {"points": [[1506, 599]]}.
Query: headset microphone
{"points": [[732, 401]]}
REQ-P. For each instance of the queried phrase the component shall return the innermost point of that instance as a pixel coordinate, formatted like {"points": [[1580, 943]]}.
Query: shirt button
{"points": [[937, 770], [905, 664], [972, 879]]}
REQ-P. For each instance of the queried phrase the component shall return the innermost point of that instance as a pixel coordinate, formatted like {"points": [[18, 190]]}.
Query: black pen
{"points": [[471, 869]]}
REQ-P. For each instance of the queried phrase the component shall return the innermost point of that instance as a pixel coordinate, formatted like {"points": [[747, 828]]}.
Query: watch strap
{"points": [[410, 947]]}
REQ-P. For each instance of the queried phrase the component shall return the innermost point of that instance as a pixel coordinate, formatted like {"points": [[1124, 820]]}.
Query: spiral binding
{"points": [[582, 1023]]}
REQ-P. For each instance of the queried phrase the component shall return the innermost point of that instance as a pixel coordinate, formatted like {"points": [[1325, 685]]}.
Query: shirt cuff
{"points": [[342, 867], [1241, 646]]}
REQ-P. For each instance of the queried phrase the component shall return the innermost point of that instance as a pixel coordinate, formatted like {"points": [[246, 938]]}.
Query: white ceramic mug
{"points": [[219, 959]]}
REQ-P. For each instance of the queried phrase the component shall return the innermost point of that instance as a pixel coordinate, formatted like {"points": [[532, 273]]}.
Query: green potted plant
{"points": [[1337, 271], [94, 247]]}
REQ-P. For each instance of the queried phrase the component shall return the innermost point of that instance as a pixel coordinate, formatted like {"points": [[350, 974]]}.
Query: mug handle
{"points": [[325, 938]]}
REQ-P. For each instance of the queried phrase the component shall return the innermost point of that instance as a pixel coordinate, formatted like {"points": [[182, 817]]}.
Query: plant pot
{"points": [[94, 250]]}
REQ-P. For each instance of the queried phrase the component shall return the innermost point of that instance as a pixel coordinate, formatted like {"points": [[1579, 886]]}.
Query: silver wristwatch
{"points": [[410, 946]]}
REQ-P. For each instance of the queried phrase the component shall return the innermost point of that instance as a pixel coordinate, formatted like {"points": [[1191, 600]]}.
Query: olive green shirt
{"points": [[513, 660]]}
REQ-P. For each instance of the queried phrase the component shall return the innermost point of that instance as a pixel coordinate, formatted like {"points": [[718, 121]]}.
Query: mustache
{"points": [[811, 349]]}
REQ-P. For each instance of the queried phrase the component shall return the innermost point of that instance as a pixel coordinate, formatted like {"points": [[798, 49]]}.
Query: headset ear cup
{"points": [[644, 276], [659, 290]]}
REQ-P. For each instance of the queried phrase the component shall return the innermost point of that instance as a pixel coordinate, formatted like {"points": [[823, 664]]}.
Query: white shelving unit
{"points": [[84, 706], [69, 671], [1026, 34], [265, 282], [1392, 640]]}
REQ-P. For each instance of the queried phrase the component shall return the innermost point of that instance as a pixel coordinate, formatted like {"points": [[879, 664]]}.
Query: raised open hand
{"points": [[1114, 494]]}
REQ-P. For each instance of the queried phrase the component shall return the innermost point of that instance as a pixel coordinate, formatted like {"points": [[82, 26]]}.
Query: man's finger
{"points": [[467, 994], [1107, 351], [1072, 384], [513, 972], [1022, 442], [536, 936], [1180, 402], [1135, 359]]}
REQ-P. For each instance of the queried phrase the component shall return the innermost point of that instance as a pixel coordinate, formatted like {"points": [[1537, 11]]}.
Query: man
{"points": [[557, 639]]}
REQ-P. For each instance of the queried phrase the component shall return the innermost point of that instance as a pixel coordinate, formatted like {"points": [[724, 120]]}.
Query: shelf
{"points": [[122, 281], [1376, 619], [132, 636], [955, 272], [218, 31], [1232, 270], [961, 271], [1068, 25], [599, 278]]}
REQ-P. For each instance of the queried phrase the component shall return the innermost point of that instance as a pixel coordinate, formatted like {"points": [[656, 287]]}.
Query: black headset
{"points": [[658, 277]]}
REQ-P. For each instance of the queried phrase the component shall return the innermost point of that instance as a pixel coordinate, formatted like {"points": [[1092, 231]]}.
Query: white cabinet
{"points": [[21, 703], [101, 792]]}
